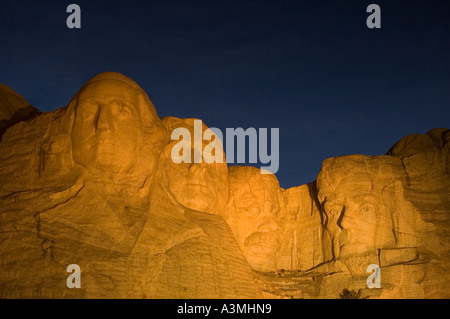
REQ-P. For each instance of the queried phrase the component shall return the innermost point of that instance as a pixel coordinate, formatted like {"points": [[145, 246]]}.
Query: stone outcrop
{"points": [[13, 109], [95, 184]]}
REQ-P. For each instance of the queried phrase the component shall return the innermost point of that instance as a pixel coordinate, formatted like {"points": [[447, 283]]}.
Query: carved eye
{"points": [[87, 110], [124, 111], [366, 208], [87, 115]]}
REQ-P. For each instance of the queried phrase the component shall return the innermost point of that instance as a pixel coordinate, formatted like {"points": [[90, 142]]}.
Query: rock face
{"points": [[95, 184], [88, 185], [426, 162], [13, 108], [368, 220]]}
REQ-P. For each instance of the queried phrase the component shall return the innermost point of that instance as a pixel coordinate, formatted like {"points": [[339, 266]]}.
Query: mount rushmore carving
{"points": [[93, 184]]}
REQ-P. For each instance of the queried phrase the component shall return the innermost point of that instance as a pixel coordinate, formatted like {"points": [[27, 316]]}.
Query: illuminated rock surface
{"points": [[94, 184]]}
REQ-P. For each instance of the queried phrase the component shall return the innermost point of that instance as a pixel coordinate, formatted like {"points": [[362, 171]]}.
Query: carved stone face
{"points": [[252, 213], [357, 194], [108, 129], [198, 186], [259, 216], [351, 211]]}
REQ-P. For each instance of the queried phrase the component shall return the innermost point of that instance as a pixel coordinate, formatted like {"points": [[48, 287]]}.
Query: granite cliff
{"points": [[94, 184]]}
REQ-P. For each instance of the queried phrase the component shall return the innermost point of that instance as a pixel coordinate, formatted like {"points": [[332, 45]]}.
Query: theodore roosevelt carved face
{"points": [[251, 214]]}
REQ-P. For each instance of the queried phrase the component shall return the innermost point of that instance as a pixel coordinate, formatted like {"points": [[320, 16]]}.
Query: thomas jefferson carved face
{"points": [[108, 126], [198, 186]]}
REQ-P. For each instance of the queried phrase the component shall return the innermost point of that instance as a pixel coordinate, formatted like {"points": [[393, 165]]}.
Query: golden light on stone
{"points": [[93, 184]]}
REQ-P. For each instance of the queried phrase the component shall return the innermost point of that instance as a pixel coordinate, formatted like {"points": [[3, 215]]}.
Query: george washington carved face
{"points": [[113, 125], [108, 129]]}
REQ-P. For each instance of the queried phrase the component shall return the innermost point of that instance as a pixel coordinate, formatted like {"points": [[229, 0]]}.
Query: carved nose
{"points": [[104, 120], [336, 214], [336, 247]]}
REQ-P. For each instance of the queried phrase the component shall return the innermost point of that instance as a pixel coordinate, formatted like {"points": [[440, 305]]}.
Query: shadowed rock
{"points": [[13, 109]]}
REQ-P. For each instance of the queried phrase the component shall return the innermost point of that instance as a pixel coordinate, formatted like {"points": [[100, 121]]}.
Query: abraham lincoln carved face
{"points": [[364, 208]]}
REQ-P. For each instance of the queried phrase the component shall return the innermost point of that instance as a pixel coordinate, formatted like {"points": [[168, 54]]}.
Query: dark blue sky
{"points": [[311, 68]]}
